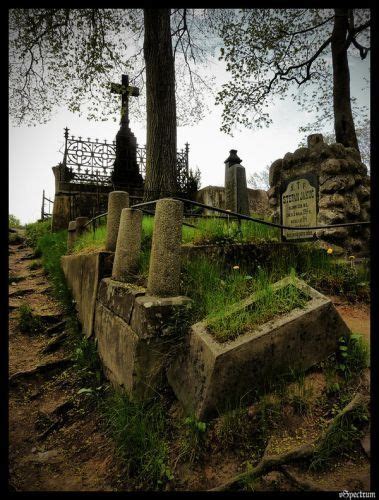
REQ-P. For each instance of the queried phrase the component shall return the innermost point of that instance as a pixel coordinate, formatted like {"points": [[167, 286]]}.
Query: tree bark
{"points": [[343, 117], [161, 179]]}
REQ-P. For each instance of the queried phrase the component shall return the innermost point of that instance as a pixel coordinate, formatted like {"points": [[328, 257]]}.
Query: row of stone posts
{"points": [[124, 235]]}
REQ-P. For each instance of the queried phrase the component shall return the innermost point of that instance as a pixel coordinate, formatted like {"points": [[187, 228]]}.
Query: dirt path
{"points": [[356, 316], [76, 455]]}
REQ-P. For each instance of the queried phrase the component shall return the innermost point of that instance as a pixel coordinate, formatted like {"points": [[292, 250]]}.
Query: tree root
{"points": [[43, 368], [302, 484], [60, 413], [304, 452], [55, 328], [54, 343]]}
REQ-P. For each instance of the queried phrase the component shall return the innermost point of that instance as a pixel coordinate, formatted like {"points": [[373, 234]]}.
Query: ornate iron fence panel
{"points": [[91, 162]]}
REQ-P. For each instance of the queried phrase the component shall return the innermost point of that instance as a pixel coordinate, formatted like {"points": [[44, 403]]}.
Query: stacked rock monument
{"points": [[342, 189]]}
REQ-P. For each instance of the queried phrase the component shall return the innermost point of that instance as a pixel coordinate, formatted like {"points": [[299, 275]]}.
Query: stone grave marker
{"points": [[299, 206]]}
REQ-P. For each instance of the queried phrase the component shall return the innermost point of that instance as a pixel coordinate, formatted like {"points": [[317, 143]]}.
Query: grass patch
{"points": [[193, 439], [52, 246], [139, 429], [35, 265], [207, 231], [27, 322], [353, 355], [270, 304], [341, 438]]}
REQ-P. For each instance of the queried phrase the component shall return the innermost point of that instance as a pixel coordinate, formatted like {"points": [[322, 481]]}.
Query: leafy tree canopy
{"points": [[273, 53], [68, 57]]}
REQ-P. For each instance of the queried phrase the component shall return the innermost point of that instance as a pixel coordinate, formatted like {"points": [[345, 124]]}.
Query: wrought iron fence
{"points": [[90, 161], [46, 208]]}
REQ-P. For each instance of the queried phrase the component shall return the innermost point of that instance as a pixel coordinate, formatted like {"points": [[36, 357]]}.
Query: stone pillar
{"points": [[71, 235], [80, 223], [128, 248], [61, 212], [117, 200], [236, 194], [164, 270]]}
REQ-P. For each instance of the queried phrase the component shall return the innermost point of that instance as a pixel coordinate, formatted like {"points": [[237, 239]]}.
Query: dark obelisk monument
{"points": [[126, 175]]}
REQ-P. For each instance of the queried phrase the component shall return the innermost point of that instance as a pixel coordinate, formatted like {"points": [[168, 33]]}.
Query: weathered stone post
{"points": [[80, 223], [164, 270], [236, 195], [71, 235], [128, 247], [117, 200]]}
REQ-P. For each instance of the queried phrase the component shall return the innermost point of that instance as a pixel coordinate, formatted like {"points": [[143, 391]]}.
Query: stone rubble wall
{"points": [[344, 189], [215, 197]]}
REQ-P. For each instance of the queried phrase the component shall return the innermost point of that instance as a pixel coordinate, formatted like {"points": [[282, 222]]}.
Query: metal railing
{"points": [[235, 215], [91, 161]]}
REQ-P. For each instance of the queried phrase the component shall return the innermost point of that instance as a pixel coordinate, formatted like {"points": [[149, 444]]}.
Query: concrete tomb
{"points": [[207, 375]]}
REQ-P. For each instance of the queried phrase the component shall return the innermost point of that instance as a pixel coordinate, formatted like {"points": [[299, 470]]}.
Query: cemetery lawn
{"points": [[206, 231]]}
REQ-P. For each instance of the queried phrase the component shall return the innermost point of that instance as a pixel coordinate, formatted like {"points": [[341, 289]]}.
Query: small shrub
{"points": [[27, 322], [13, 221], [87, 360], [353, 355], [194, 438], [35, 230]]}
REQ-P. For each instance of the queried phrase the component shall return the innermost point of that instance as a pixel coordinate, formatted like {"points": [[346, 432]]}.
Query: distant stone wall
{"points": [[215, 197], [343, 193]]}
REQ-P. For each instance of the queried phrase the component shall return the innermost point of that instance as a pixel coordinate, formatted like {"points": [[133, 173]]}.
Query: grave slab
{"points": [[208, 376]]}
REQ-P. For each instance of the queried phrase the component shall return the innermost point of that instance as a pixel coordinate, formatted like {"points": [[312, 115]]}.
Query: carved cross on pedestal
{"points": [[125, 90]]}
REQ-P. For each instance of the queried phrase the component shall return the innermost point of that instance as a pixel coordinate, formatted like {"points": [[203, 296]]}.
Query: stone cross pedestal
{"points": [[236, 194], [126, 171]]}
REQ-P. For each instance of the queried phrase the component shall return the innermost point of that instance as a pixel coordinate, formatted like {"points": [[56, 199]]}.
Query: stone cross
{"points": [[125, 90]]}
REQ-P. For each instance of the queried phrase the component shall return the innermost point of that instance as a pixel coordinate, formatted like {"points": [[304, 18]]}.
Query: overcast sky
{"points": [[34, 150]]}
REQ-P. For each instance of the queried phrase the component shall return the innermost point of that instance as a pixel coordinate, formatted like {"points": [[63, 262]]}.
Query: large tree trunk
{"points": [[161, 109], [343, 117]]}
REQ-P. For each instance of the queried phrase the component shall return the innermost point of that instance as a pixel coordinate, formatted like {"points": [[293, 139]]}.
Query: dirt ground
{"points": [[75, 455], [57, 441]]}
